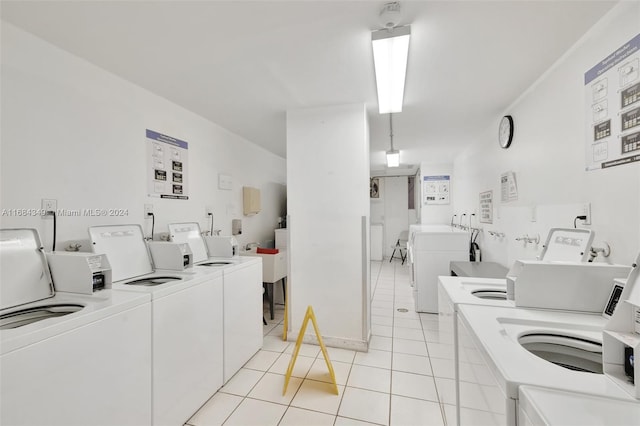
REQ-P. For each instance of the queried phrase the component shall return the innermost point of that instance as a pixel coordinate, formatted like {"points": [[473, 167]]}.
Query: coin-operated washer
{"points": [[186, 321], [621, 339], [69, 359], [507, 348], [242, 277]]}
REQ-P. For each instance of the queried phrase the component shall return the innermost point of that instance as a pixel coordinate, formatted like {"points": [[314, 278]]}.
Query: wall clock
{"points": [[505, 131]]}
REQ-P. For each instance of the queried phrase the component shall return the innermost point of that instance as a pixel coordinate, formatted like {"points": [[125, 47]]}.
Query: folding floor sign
{"points": [[309, 315]]}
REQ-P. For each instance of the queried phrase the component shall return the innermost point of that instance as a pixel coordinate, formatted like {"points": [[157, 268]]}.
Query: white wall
{"points": [[328, 197], [547, 155], [76, 133]]}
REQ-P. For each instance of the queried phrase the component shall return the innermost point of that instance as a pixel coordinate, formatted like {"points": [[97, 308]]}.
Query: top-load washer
{"points": [[68, 359], [549, 407], [189, 232], [242, 277], [186, 322], [501, 349], [561, 245]]}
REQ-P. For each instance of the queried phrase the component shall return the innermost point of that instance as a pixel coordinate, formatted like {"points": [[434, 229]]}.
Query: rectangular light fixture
{"points": [[390, 53], [393, 158]]}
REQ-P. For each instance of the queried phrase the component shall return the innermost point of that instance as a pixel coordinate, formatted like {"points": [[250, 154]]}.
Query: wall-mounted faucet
{"points": [[453, 217], [595, 251], [461, 217], [527, 239], [249, 246]]}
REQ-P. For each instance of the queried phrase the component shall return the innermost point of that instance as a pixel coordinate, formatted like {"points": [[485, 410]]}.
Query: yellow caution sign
{"points": [[309, 315]]}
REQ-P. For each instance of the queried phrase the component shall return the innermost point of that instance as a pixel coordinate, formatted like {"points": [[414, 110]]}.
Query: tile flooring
{"points": [[406, 378]]}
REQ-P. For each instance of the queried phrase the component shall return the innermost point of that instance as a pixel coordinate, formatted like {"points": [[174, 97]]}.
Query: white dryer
{"points": [[550, 407], [242, 296], [68, 359], [186, 322], [431, 248]]}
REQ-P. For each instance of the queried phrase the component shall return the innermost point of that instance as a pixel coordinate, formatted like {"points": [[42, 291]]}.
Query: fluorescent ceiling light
{"points": [[390, 52], [393, 158]]}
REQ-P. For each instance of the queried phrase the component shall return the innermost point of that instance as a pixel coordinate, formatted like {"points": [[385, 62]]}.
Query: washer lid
{"points": [[189, 233], [125, 248], [567, 244], [24, 275]]}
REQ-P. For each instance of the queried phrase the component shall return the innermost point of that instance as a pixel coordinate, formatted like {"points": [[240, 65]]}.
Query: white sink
{"points": [[274, 266]]}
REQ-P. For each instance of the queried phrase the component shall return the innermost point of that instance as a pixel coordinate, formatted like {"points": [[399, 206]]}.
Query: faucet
{"points": [[249, 246], [453, 217], [463, 215]]}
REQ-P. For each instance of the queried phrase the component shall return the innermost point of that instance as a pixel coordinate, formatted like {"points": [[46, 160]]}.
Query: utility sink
{"points": [[274, 266]]}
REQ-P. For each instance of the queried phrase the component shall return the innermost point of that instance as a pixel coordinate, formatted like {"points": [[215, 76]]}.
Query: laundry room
{"points": [[192, 177]]}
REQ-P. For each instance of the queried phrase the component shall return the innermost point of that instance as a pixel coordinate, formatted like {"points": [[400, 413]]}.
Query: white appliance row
{"points": [[500, 349], [150, 348]]}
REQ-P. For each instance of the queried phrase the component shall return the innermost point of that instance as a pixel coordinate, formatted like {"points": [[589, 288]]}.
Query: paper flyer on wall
{"points": [[167, 166], [612, 92], [435, 189], [486, 207], [508, 187]]}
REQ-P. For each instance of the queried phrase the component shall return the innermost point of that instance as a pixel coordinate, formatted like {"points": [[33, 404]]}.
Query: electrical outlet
{"points": [[586, 211], [49, 205], [148, 208], [208, 211]]}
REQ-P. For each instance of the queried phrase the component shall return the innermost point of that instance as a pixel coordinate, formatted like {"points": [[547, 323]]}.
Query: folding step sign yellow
{"points": [[309, 315]]}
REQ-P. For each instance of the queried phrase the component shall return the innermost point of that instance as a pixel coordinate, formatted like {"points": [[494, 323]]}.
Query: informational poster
{"points": [[435, 189], [486, 207], [167, 166], [508, 187], [612, 90]]}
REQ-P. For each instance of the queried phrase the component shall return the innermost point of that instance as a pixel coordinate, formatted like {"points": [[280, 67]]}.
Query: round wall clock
{"points": [[505, 131]]}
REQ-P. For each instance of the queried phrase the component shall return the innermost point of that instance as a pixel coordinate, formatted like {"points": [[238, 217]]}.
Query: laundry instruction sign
{"points": [[612, 93], [167, 165], [435, 189]]}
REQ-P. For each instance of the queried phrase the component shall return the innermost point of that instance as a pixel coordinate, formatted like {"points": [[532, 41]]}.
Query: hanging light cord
{"points": [[391, 130]]}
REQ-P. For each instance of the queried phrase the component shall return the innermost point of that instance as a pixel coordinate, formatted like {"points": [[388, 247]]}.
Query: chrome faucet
{"points": [[249, 246], [461, 217], [453, 217]]}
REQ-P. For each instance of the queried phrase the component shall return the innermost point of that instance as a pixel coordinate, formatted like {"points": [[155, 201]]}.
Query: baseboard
{"points": [[333, 342]]}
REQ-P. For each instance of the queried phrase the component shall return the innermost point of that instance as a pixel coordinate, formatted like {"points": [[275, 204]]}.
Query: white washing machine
{"points": [[501, 349], [68, 359], [186, 322], [549, 407], [242, 277], [561, 245]]}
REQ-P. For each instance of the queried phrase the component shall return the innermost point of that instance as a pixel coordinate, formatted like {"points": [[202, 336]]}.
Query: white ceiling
{"points": [[242, 64]]}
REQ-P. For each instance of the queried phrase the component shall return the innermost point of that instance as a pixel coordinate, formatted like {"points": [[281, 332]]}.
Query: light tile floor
{"points": [[404, 379]]}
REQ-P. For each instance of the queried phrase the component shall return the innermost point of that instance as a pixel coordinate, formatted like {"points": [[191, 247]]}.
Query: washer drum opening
{"points": [[490, 294], [573, 353]]}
